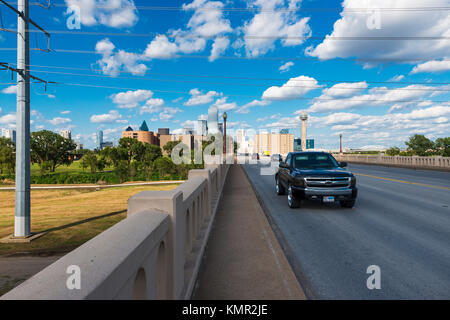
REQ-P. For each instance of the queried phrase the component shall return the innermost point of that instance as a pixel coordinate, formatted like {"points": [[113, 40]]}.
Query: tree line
{"points": [[129, 160], [419, 145]]}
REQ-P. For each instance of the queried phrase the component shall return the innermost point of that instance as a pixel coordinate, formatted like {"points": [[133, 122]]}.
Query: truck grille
{"points": [[324, 182]]}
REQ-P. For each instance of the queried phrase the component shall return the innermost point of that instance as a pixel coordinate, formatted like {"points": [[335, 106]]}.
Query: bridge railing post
{"points": [[170, 202]]}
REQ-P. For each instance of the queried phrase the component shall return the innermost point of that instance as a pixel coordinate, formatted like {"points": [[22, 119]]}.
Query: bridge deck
{"points": [[243, 259]]}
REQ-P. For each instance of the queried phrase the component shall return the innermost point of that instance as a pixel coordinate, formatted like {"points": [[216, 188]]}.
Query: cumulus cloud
{"points": [[223, 105], [378, 96], [59, 121], [219, 46], [293, 89], [199, 98], [152, 106], [131, 99], [8, 119], [262, 31], [65, 112], [393, 23], [111, 13], [432, 66], [397, 78], [112, 63], [286, 67], [10, 90], [168, 113], [246, 107], [109, 117]]}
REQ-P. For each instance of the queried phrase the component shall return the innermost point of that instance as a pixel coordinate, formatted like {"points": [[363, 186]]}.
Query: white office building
{"points": [[213, 116], [9, 133], [66, 134]]}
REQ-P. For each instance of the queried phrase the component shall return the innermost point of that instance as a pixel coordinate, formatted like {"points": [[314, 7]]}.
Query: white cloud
{"points": [[432, 66], [10, 90], [246, 107], [110, 117], [8, 119], [392, 23], [199, 98], [219, 46], [263, 29], [343, 90], [286, 67], [59, 121], [378, 96], [168, 113], [131, 99], [152, 106], [65, 112], [223, 105], [111, 13], [397, 78], [112, 63], [293, 89]]}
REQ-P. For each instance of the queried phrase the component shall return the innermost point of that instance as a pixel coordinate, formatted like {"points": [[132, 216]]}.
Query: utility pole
{"points": [[22, 221], [340, 143], [22, 213]]}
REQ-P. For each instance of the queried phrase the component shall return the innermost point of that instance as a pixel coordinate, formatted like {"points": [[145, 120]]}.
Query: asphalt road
{"points": [[400, 225]]}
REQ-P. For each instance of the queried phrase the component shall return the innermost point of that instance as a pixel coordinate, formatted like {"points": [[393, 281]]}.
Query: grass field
{"points": [[71, 217], [74, 167]]}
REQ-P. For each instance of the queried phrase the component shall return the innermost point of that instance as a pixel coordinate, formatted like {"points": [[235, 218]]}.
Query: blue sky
{"points": [[262, 64]]}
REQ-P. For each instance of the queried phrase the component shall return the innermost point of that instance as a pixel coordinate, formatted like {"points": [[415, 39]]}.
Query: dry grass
{"points": [[72, 217]]}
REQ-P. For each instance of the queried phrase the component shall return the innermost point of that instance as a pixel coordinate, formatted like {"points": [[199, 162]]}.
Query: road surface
{"points": [[401, 223]]}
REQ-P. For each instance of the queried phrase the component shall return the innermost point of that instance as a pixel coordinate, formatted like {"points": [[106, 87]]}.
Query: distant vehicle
{"points": [[255, 156], [276, 157], [315, 176], [266, 153]]}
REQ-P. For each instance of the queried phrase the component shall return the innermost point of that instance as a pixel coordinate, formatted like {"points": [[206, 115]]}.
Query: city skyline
{"points": [[374, 92]]}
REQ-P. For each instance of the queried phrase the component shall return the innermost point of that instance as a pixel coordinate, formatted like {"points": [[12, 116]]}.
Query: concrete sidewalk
{"points": [[243, 259]]}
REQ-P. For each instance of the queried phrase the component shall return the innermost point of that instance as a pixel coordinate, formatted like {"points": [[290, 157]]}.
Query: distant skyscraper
{"points": [[99, 139], [213, 115], [66, 134], [202, 127], [9, 133], [221, 128], [163, 131]]}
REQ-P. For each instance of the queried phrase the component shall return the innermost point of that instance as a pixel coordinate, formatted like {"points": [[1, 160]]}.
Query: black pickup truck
{"points": [[315, 176]]}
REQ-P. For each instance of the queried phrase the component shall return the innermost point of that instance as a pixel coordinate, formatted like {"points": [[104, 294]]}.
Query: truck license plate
{"points": [[328, 199]]}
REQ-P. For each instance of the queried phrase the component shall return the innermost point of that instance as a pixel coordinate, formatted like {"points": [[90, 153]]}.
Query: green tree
{"points": [[168, 147], [51, 150], [442, 146], [164, 166], [394, 151], [90, 160], [7, 155], [420, 145]]}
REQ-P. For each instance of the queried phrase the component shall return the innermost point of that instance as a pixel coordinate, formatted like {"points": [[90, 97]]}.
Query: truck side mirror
{"points": [[342, 164]]}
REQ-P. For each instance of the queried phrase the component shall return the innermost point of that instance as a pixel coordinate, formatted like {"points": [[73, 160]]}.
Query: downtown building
{"points": [[273, 143], [9, 134]]}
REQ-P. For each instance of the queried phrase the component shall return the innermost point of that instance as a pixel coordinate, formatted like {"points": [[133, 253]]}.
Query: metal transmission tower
{"points": [[22, 209]]}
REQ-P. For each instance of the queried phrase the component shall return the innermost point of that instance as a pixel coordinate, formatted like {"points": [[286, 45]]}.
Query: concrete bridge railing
{"points": [[155, 253], [437, 162]]}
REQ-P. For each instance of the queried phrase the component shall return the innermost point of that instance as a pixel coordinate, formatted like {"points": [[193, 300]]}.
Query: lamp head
{"points": [[225, 116]]}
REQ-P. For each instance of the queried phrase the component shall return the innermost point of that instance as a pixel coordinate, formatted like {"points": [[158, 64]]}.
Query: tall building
{"points": [[66, 134], [143, 135], [163, 131], [303, 118], [202, 127], [243, 144], [9, 133], [213, 116], [273, 143], [221, 128], [99, 139]]}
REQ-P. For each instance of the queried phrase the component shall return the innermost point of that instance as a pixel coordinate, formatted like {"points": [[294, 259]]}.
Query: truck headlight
{"points": [[299, 182], [353, 181]]}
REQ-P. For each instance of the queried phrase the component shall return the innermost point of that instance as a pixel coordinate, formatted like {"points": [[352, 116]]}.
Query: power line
{"points": [[178, 56], [256, 9], [256, 37], [236, 84], [247, 78]]}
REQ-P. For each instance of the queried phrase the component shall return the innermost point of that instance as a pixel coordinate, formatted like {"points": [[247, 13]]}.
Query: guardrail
{"points": [[155, 253], [437, 162]]}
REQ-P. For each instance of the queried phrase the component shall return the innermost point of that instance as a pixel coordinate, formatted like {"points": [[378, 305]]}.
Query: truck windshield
{"points": [[314, 161]]}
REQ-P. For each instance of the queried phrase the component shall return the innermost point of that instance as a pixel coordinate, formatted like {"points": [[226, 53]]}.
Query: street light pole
{"points": [[225, 116], [340, 143], [22, 210]]}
